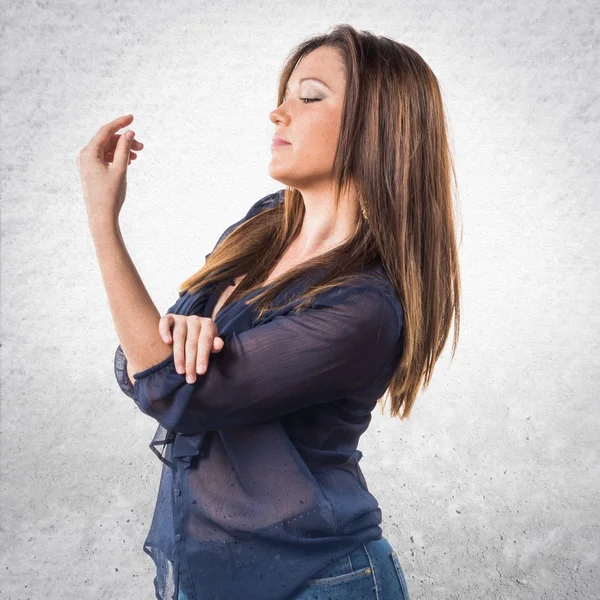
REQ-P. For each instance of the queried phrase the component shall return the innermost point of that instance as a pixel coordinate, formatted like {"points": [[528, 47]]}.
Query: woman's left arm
{"points": [[103, 166], [340, 345]]}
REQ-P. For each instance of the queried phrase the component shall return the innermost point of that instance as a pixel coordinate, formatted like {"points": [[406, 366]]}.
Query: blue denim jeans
{"points": [[371, 572]]}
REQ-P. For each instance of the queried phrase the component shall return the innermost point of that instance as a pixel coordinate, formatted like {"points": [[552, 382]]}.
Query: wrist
{"points": [[102, 224], [106, 234]]}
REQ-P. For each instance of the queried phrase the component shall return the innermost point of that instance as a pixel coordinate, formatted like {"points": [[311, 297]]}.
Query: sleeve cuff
{"points": [[170, 360], [120, 367]]}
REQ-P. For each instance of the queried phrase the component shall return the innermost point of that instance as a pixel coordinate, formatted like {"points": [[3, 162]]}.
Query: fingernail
{"points": [[201, 368], [190, 379], [129, 135]]}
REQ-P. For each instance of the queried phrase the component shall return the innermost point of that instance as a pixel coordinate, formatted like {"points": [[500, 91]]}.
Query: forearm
{"points": [[134, 314]]}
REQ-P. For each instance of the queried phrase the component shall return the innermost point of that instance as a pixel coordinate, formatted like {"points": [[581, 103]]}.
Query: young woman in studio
{"points": [[330, 295]]}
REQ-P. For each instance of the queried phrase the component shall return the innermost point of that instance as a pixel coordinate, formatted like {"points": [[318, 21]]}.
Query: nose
{"points": [[279, 115]]}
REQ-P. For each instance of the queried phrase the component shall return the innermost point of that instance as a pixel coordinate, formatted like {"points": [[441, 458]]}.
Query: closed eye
{"points": [[307, 100]]}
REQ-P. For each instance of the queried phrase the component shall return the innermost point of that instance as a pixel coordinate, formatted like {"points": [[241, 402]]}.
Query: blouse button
{"points": [[368, 570], [177, 492], [178, 537]]}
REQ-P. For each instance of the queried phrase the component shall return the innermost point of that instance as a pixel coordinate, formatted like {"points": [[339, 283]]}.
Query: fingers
{"points": [[198, 347], [109, 157], [179, 336], [193, 340], [135, 145], [121, 153], [206, 342], [164, 327], [218, 344], [104, 134]]}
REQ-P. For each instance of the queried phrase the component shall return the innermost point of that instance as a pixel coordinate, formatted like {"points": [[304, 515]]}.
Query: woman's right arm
{"points": [[339, 346]]}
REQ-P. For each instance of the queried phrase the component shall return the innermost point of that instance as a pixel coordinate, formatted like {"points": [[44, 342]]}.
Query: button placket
{"points": [[178, 507], [178, 525]]}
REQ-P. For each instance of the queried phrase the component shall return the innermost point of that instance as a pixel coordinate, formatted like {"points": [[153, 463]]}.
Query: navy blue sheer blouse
{"points": [[261, 487]]}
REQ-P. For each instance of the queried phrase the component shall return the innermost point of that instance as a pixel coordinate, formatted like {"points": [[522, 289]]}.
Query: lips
{"points": [[280, 142]]}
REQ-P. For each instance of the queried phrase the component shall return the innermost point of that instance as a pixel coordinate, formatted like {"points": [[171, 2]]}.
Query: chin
{"points": [[279, 175]]}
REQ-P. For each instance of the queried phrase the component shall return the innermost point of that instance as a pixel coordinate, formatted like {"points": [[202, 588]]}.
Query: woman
{"points": [[326, 297]]}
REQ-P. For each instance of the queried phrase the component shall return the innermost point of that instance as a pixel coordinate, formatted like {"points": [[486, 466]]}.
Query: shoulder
{"points": [[374, 282], [370, 299], [381, 280], [266, 202], [260, 205], [384, 285], [371, 291]]}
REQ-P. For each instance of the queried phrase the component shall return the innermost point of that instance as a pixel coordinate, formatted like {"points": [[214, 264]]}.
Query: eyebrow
{"points": [[287, 88]]}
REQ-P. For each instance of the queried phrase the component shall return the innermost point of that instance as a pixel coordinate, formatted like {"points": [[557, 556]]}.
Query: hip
{"points": [[372, 571]]}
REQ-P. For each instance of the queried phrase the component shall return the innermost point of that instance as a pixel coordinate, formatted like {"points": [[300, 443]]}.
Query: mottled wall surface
{"points": [[490, 489]]}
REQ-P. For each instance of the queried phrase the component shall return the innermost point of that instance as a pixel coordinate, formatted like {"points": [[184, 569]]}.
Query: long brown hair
{"points": [[393, 145]]}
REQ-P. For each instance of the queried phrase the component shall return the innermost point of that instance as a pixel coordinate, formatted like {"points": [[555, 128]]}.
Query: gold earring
{"points": [[362, 205]]}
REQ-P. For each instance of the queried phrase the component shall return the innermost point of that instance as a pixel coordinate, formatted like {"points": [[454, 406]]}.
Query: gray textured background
{"points": [[490, 489]]}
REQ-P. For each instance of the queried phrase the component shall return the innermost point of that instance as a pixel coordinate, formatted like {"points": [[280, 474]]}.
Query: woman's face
{"points": [[311, 126]]}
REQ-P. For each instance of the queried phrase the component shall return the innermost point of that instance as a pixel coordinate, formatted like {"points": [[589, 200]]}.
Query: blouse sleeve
{"points": [[120, 360], [120, 366], [334, 348]]}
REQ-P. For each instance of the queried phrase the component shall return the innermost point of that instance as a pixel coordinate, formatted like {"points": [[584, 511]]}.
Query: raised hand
{"points": [[102, 164]]}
